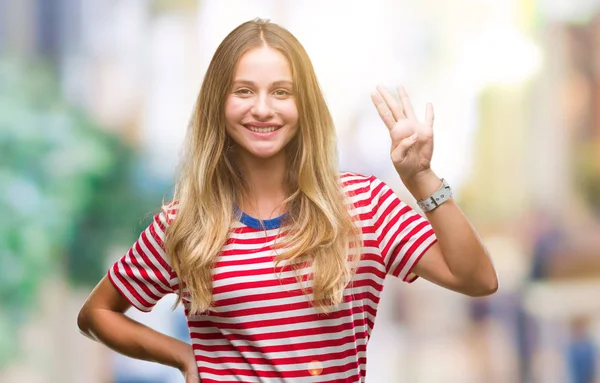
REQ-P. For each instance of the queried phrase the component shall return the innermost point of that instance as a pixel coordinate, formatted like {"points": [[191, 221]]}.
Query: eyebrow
{"points": [[276, 83]]}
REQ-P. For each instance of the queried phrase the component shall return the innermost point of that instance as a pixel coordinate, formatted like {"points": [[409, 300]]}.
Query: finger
{"points": [[400, 151], [406, 104], [391, 102], [384, 111], [429, 116]]}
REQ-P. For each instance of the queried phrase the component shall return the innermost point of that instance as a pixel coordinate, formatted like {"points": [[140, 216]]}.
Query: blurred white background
{"points": [[95, 96]]}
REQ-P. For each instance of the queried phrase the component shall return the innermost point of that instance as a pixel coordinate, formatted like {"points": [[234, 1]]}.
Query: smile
{"points": [[265, 129]]}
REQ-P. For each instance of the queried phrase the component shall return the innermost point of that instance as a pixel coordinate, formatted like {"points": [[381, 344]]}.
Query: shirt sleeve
{"points": [[403, 235], [143, 275]]}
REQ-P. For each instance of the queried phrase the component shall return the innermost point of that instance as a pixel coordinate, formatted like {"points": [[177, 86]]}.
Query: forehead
{"points": [[263, 63]]}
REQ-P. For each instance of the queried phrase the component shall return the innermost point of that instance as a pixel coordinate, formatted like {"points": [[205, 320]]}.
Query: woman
{"points": [[282, 257]]}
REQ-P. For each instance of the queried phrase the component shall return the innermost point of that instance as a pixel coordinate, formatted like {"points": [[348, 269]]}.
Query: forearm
{"points": [[128, 337], [461, 246]]}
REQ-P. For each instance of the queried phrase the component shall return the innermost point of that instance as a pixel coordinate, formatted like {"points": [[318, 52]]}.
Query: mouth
{"points": [[262, 129]]}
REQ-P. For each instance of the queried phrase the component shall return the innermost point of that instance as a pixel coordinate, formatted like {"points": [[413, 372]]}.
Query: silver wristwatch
{"points": [[443, 194]]}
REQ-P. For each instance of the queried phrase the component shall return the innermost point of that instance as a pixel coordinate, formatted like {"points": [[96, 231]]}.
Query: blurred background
{"points": [[95, 96]]}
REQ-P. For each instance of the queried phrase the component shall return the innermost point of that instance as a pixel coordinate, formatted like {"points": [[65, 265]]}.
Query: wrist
{"points": [[422, 184]]}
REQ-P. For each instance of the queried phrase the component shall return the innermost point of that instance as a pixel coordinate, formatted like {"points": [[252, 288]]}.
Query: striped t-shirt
{"points": [[262, 327]]}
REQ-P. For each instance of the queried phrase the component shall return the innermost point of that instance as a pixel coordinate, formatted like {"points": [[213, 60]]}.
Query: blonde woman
{"points": [[278, 258]]}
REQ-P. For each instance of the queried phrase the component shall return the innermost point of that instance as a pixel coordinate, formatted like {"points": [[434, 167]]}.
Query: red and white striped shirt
{"points": [[262, 327]]}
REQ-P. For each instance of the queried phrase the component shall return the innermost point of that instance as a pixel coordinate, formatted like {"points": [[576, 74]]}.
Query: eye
{"points": [[281, 93], [243, 91]]}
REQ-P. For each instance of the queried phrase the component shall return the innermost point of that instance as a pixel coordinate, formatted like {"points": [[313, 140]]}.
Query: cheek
{"points": [[291, 112], [234, 110]]}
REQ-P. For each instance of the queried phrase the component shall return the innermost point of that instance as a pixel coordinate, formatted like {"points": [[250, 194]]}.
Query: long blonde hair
{"points": [[319, 227]]}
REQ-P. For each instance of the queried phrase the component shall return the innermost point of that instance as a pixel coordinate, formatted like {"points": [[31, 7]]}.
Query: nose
{"points": [[262, 108]]}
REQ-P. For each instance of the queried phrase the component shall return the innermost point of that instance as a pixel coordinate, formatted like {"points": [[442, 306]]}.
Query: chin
{"points": [[264, 153]]}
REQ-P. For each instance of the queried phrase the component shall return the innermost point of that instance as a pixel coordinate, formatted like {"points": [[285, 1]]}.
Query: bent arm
{"points": [[102, 318], [459, 261]]}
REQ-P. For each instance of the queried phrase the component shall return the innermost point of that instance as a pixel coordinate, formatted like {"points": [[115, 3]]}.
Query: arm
{"points": [[102, 318], [459, 260]]}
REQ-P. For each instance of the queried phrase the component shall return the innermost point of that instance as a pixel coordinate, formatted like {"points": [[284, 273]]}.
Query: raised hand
{"points": [[412, 140]]}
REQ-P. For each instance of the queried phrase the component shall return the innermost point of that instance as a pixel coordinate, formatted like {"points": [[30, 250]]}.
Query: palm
{"points": [[412, 140]]}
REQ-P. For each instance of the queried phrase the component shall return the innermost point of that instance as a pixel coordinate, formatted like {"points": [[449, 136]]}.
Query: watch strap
{"points": [[443, 194]]}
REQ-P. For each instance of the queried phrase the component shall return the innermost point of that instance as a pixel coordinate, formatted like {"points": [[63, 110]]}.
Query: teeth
{"points": [[263, 130]]}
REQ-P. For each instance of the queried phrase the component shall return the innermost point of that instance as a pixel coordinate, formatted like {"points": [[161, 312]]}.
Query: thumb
{"points": [[399, 152]]}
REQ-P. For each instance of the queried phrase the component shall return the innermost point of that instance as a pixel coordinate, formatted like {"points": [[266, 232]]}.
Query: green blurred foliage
{"points": [[68, 194]]}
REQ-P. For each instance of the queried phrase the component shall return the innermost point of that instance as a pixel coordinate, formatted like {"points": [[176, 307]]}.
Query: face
{"points": [[260, 112]]}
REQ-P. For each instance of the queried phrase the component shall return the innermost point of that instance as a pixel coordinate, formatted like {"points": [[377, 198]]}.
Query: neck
{"points": [[265, 179]]}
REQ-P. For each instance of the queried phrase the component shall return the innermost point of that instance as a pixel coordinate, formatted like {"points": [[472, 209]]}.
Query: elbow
{"points": [[483, 292], [83, 322], [485, 288]]}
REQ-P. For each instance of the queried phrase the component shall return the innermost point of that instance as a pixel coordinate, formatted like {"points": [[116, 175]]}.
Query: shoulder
{"points": [[168, 212], [367, 190], [355, 183], [358, 188], [349, 178]]}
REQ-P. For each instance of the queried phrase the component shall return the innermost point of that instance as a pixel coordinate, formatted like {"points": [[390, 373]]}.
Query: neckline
{"points": [[255, 223]]}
